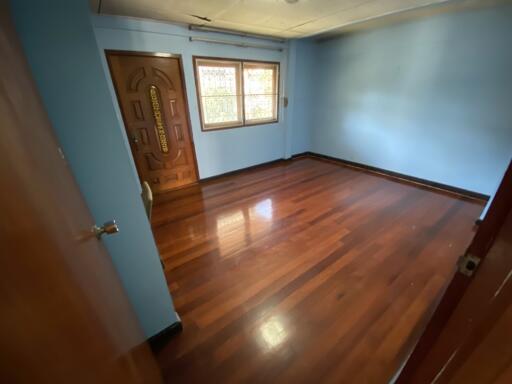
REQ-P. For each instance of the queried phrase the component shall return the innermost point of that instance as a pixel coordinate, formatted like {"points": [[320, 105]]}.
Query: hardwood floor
{"points": [[304, 271]]}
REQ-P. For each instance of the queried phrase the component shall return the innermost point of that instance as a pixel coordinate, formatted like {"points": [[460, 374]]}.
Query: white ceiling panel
{"points": [[249, 28], [361, 12], [279, 18]]}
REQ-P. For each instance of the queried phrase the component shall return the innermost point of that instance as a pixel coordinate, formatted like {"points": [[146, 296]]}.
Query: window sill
{"points": [[246, 125]]}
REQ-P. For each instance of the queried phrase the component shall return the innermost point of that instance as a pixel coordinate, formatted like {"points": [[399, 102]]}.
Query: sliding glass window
{"points": [[236, 93]]}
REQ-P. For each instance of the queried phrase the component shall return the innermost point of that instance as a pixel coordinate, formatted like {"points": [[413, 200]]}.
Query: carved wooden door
{"points": [[152, 98]]}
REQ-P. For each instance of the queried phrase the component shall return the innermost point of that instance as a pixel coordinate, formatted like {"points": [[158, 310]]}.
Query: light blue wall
{"points": [[430, 98], [217, 151], [301, 84], [493, 194], [60, 44]]}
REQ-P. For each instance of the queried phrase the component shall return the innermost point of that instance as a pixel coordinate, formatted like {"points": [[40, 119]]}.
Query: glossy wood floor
{"points": [[304, 272]]}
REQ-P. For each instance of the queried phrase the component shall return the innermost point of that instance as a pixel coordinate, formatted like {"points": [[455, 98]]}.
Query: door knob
{"points": [[108, 228]]}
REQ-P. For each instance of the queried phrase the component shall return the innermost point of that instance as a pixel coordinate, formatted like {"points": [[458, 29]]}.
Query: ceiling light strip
{"points": [[225, 31], [235, 44]]}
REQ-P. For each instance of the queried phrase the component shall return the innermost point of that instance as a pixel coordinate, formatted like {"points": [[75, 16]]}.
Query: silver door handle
{"points": [[108, 228]]}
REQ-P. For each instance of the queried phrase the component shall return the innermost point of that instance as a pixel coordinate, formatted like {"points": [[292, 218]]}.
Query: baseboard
{"points": [[400, 176], [156, 342], [253, 167], [301, 154], [242, 170], [383, 172]]}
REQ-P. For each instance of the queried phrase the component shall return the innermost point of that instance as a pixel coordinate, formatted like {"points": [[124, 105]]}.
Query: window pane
{"points": [[259, 107], [216, 81], [220, 109], [222, 90], [258, 81], [220, 93], [260, 91]]}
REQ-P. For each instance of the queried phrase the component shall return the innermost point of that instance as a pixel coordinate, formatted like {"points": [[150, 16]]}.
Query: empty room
{"points": [[256, 191]]}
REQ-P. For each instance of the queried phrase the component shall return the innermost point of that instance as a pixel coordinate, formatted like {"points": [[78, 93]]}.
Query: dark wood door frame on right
{"points": [[426, 364]]}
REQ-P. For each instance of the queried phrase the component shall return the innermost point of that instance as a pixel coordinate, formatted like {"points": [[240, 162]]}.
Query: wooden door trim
{"points": [[179, 57], [480, 245]]}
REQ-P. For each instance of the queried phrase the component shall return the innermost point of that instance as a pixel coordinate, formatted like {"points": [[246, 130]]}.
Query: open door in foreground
{"points": [[469, 337], [64, 317]]}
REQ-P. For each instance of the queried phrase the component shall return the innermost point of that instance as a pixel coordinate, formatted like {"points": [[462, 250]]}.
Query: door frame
{"points": [[179, 57], [480, 245]]}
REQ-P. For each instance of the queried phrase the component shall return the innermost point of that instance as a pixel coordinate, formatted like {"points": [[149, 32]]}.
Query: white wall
{"points": [[217, 151]]}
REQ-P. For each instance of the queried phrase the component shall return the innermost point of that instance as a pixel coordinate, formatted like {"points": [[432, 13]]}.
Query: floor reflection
{"points": [[262, 210], [272, 333], [240, 227], [229, 222], [231, 232]]}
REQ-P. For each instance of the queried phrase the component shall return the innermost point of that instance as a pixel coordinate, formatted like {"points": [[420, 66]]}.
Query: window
{"points": [[236, 93]]}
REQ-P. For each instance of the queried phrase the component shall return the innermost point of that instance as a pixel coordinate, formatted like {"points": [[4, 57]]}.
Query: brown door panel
{"points": [[65, 317], [152, 98]]}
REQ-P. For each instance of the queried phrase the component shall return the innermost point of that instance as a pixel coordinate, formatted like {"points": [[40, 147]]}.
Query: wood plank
{"points": [[304, 271]]}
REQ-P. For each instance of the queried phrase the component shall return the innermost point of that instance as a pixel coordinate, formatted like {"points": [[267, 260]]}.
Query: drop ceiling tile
{"points": [[175, 10], [246, 28], [279, 14], [244, 13], [361, 12], [275, 17]]}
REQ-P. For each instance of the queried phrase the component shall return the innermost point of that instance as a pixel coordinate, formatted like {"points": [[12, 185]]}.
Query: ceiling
{"points": [[278, 18]]}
